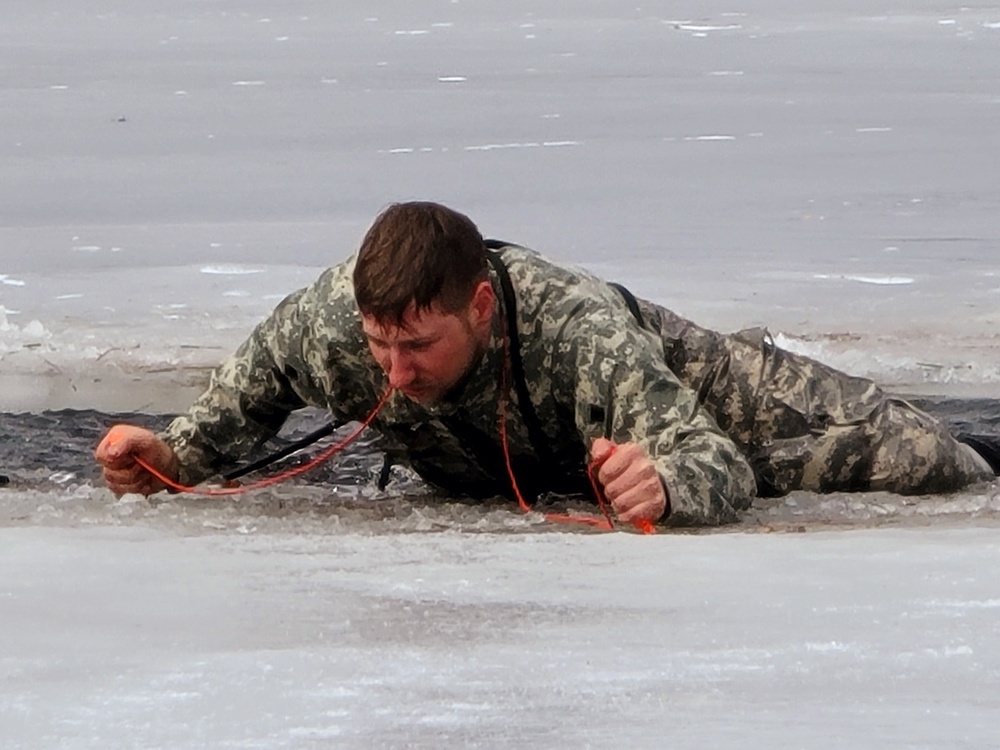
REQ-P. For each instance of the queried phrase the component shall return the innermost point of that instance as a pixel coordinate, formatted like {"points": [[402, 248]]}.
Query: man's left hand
{"points": [[630, 480]]}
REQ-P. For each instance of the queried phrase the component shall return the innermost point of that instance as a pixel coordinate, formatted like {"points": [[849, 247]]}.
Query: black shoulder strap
{"points": [[630, 301], [539, 441], [537, 436]]}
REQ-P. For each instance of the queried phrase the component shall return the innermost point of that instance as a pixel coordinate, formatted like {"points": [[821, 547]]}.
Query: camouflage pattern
{"points": [[804, 425], [703, 405]]}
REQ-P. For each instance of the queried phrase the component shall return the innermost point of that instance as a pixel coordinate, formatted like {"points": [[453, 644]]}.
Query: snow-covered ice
{"points": [[122, 638], [172, 170]]}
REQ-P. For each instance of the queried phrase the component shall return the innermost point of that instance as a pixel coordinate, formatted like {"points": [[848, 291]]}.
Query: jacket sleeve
{"points": [[622, 389], [247, 400]]}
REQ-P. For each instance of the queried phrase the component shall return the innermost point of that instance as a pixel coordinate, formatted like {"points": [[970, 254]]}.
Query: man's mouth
{"points": [[412, 392]]}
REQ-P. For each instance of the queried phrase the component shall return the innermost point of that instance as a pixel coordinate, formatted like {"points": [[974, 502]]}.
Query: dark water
{"points": [[49, 473], [63, 441], [36, 447]]}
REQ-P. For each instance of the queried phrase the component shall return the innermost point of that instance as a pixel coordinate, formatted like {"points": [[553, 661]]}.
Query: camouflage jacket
{"points": [[590, 369]]}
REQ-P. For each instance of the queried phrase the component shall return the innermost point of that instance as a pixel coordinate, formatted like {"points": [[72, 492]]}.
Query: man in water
{"points": [[495, 351]]}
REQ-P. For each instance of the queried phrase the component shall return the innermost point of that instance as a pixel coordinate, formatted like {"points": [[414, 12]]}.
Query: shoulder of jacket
{"points": [[529, 267], [542, 280], [334, 286]]}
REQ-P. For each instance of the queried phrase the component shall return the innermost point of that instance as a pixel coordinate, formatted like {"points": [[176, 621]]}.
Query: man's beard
{"points": [[454, 391]]}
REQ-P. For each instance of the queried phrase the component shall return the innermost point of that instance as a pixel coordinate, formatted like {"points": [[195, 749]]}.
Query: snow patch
{"points": [[961, 604], [231, 270], [710, 138], [704, 28], [17, 337], [831, 646], [530, 144], [879, 280]]}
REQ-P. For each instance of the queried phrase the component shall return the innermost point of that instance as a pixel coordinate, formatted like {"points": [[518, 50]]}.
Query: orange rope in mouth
{"points": [[277, 478]]}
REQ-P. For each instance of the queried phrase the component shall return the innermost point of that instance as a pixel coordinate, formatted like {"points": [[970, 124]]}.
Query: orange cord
{"points": [[277, 478], [604, 523]]}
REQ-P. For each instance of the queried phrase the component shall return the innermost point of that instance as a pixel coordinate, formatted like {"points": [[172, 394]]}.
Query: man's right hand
{"points": [[117, 453]]}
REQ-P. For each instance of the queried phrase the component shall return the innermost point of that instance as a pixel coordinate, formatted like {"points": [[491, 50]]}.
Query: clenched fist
{"points": [[630, 480], [117, 453]]}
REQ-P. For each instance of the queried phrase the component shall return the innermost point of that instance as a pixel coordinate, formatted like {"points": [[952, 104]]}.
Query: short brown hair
{"points": [[418, 253]]}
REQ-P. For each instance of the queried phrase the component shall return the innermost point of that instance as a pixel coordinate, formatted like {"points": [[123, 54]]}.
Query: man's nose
{"points": [[401, 372]]}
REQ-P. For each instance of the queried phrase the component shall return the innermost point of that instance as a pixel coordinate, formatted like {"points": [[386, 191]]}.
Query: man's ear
{"points": [[483, 304]]}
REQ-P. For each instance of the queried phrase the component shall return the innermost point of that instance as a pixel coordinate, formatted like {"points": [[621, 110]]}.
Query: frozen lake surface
{"points": [[172, 169], [135, 637]]}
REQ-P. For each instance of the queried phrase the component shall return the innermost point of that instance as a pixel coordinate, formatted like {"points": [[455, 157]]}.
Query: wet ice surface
{"points": [[133, 637], [170, 171], [331, 614]]}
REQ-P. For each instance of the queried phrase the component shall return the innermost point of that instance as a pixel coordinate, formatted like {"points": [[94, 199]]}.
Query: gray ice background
{"points": [[170, 170]]}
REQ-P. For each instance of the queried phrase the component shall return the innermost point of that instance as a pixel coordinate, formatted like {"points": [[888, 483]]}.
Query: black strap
{"points": [[539, 442], [630, 301], [987, 446], [537, 436], [288, 450]]}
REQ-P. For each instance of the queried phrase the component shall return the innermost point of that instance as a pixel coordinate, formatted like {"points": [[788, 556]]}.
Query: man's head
{"points": [[424, 295]]}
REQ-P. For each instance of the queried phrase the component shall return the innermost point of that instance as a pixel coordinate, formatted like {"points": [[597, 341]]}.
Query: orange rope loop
{"points": [[277, 478], [604, 522]]}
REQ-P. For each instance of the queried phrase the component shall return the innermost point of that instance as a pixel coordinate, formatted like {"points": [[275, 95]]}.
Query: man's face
{"points": [[426, 356]]}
